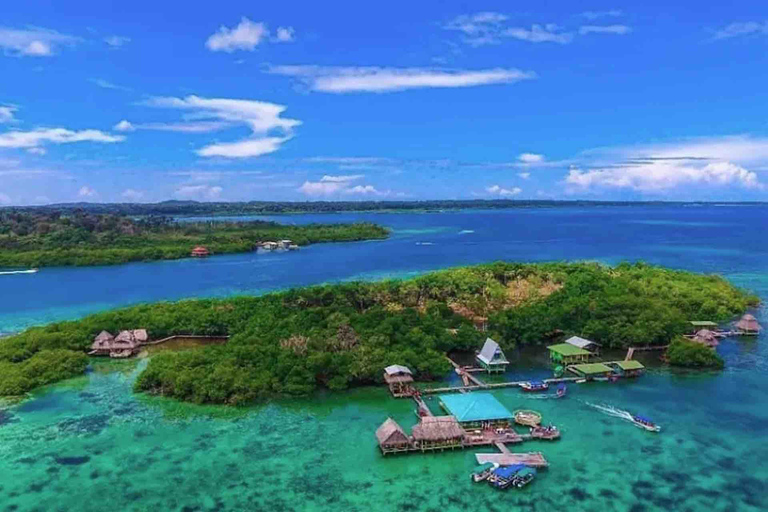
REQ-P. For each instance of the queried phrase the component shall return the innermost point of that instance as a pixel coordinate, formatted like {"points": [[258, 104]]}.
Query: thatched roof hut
{"points": [[397, 373], [102, 343], [390, 434], [748, 325], [437, 428], [141, 335], [200, 252], [706, 337]]}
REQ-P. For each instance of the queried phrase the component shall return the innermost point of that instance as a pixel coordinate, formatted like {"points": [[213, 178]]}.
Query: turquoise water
{"points": [[90, 444]]}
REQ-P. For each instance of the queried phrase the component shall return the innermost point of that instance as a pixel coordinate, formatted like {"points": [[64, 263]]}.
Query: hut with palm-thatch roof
{"points": [[124, 345], [438, 433], [102, 344], [200, 252], [748, 326], [706, 337], [399, 378], [392, 438]]}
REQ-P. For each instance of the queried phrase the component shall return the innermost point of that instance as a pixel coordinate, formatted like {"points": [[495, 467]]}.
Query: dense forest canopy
{"points": [[40, 238], [177, 208], [344, 334]]}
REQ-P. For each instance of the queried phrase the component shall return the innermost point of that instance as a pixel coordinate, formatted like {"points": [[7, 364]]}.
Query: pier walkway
{"points": [[454, 389], [631, 351]]}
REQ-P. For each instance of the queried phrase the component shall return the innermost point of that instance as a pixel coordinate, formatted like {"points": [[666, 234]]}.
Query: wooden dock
{"points": [[631, 351], [454, 389], [533, 459], [423, 408]]}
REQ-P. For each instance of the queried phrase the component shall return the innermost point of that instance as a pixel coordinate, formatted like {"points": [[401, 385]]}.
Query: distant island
{"points": [[64, 238], [195, 208], [341, 335]]}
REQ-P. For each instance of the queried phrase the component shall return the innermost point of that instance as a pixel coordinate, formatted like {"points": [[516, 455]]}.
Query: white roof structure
{"points": [[581, 342], [492, 353], [394, 369]]}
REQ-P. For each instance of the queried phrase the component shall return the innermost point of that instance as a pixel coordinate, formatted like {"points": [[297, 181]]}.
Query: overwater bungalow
{"points": [[392, 438], [748, 326], [591, 370], [492, 358], [698, 325], [200, 252], [399, 378], [127, 343], [476, 410], [438, 433], [588, 345], [102, 344], [706, 337], [565, 353], [629, 368]]}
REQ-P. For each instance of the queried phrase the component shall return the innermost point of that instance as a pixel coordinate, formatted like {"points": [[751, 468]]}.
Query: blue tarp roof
{"points": [[508, 471], [475, 407]]}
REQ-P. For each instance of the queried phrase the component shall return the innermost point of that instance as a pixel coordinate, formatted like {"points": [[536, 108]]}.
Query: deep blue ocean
{"points": [[91, 444]]}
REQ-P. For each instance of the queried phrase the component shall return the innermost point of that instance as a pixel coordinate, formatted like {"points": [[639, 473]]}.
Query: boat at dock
{"points": [[645, 423], [527, 418], [483, 471], [524, 477], [516, 475], [535, 385]]}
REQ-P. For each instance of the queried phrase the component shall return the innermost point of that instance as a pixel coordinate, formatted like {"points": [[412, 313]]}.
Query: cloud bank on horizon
{"points": [[283, 104]]}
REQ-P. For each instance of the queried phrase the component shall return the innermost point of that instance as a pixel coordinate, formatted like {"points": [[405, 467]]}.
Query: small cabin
{"points": [[491, 357], [392, 438], [591, 370], [629, 368], [748, 326], [438, 432], [200, 252], [565, 353], [588, 345], [697, 325], [399, 378]]}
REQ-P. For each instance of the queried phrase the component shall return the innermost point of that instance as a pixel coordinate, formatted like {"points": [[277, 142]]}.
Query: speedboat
{"points": [[483, 471], [561, 389], [503, 476], [523, 477], [535, 385], [645, 423]]}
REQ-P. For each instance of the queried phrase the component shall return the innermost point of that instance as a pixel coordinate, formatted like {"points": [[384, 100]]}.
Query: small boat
{"points": [[523, 477], [483, 471], [527, 418], [561, 389], [581, 381], [503, 476], [645, 423], [534, 385]]}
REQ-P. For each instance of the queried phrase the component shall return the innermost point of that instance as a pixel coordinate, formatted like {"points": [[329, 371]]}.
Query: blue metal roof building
{"points": [[474, 407]]}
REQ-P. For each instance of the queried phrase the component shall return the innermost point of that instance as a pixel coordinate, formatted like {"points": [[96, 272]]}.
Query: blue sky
{"points": [[400, 100]]}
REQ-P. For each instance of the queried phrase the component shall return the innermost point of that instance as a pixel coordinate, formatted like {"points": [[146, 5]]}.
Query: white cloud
{"points": [[594, 15], [381, 80], [37, 151], [341, 179], [549, 33], [364, 190], [285, 34], [524, 175], [618, 30], [5, 198], [479, 28], [321, 188], [41, 136], [123, 126], [117, 41], [497, 190], [530, 158], [33, 41], [247, 35], [269, 129], [199, 192], [742, 29], [6, 113], [132, 195], [86, 191], [104, 84]]}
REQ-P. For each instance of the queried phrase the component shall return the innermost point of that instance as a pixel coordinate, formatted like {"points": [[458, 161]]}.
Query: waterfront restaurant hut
{"points": [[124, 345], [588, 345], [200, 252], [392, 438], [473, 410], [629, 368], [748, 326], [491, 357], [706, 337], [102, 344], [438, 433], [565, 353], [591, 370], [703, 324], [399, 379]]}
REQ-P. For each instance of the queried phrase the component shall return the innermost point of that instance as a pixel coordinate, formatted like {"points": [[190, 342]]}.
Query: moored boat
{"points": [[483, 471], [645, 423], [523, 477], [527, 418], [503, 476], [534, 385]]}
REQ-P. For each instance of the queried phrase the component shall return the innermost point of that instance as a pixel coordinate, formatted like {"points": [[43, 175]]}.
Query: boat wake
{"points": [[609, 410], [13, 272]]}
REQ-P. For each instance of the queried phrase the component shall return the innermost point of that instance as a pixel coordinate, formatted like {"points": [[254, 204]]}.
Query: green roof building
{"points": [[565, 353], [473, 409], [591, 370], [627, 368]]}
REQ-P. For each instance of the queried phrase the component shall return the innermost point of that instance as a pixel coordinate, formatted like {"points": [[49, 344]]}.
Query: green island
{"points": [[341, 335], [80, 238]]}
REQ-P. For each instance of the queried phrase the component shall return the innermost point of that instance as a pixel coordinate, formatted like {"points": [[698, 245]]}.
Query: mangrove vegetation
{"points": [[341, 335]]}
